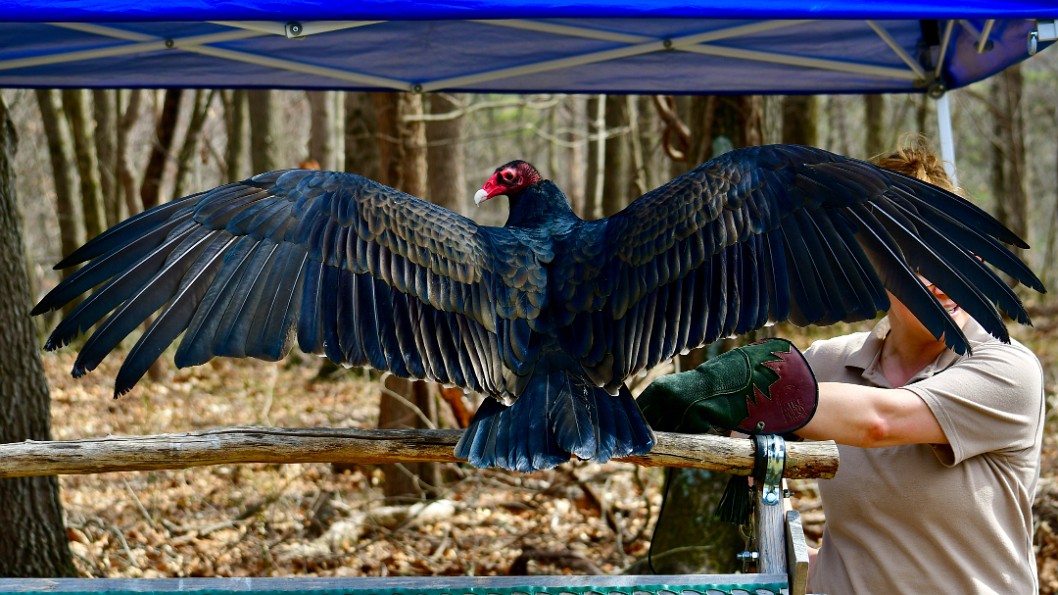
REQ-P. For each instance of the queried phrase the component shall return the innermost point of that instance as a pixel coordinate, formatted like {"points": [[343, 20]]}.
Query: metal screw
{"points": [[169, 43], [294, 29], [667, 44]]}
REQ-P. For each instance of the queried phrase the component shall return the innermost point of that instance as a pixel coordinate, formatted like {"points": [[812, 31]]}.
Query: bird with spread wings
{"points": [[548, 315]]}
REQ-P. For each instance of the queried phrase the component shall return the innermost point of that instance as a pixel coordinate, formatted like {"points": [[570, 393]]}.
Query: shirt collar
{"points": [[867, 357]]}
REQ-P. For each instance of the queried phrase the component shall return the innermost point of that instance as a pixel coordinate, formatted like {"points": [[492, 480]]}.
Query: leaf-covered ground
{"points": [[309, 520], [284, 520]]}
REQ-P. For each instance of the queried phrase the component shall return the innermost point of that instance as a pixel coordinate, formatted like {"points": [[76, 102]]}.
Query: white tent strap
{"points": [[696, 43], [982, 44], [642, 45], [566, 30], [817, 63], [945, 40], [105, 31], [144, 43], [305, 29], [981, 37], [899, 51], [199, 44], [557, 64], [321, 71]]}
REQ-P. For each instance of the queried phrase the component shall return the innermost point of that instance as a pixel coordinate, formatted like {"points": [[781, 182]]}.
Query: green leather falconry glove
{"points": [[765, 387]]}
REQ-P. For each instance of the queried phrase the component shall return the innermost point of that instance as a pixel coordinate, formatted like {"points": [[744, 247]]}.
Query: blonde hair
{"points": [[915, 157]]}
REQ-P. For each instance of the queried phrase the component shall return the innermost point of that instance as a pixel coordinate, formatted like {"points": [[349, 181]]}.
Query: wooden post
{"points": [[796, 554], [769, 511]]}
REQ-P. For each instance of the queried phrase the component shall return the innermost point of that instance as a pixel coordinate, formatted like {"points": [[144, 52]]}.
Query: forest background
{"points": [[87, 159]]}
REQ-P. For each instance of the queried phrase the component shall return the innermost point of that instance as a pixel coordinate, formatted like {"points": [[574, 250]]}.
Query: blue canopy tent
{"points": [[517, 46], [523, 46]]}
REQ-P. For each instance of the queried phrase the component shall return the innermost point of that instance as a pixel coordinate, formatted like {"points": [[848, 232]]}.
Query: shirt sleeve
{"points": [[990, 401], [827, 357]]}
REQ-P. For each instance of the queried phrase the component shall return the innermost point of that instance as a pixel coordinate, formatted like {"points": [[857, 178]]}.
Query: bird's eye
{"points": [[508, 176]]}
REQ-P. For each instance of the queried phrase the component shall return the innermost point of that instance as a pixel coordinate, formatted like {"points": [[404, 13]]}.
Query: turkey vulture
{"points": [[549, 314]]}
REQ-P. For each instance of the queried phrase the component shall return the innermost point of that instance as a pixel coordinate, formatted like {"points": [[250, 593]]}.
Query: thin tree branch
{"points": [[231, 445]]}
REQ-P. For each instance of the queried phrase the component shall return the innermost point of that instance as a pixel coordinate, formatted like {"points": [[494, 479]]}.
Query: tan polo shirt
{"points": [[937, 519]]}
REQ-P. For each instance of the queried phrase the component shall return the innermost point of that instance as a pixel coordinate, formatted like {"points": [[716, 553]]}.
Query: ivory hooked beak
{"points": [[480, 196]]}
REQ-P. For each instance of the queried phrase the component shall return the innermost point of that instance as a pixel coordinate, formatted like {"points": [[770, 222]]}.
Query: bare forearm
{"points": [[843, 415], [871, 417]]}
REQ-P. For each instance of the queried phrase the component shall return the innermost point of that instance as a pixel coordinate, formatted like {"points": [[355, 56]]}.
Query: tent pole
{"points": [[947, 143]]}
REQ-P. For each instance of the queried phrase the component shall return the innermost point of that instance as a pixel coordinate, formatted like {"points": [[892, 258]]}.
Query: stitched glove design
{"points": [[765, 387]]}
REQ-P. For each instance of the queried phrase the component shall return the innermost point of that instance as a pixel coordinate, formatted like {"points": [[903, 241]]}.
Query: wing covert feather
{"points": [[352, 269], [784, 232]]}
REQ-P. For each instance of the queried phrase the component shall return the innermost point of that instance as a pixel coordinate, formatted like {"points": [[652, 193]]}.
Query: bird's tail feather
{"points": [[559, 415]]}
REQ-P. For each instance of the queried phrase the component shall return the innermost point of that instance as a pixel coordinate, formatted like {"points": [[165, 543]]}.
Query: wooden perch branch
{"points": [[223, 446]]}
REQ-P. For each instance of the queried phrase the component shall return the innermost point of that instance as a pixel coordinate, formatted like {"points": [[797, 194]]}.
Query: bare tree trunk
{"points": [[32, 537], [800, 120], [321, 137], [75, 102], [723, 122], [67, 207], [402, 164], [262, 131], [595, 168], [731, 121], [646, 125], [618, 173], [924, 115], [552, 147], [445, 158], [837, 138], [192, 139], [407, 404], [361, 157], [361, 135], [702, 120], [162, 149], [1008, 155], [236, 122], [1050, 240], [106, 138], [151, 188], [689, 538], [402, 141], [126, 175], [445, 153], [876, 142], [574, 158]]}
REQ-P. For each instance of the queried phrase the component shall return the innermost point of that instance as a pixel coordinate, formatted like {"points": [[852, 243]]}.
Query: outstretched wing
{"points": [[779, 233], [357, 271]]}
